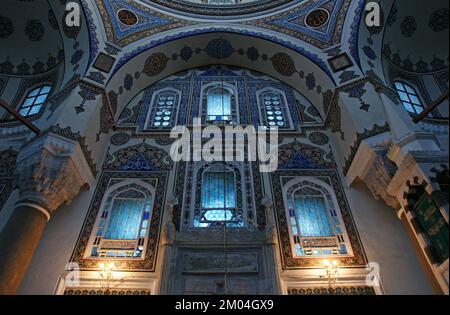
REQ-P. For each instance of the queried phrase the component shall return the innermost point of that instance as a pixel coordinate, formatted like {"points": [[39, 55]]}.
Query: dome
{"points": [[220, 7]]}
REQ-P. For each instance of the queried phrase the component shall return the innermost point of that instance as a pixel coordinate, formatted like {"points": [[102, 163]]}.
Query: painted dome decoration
{"points": [[220, 7]]}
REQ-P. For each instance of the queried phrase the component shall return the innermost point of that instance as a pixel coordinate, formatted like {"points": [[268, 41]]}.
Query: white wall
{"points": [[386, 242]]}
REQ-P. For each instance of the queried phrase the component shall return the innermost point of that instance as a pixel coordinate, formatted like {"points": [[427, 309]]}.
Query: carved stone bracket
{"points": [[377, 176], [373, 167], [50, 171]]}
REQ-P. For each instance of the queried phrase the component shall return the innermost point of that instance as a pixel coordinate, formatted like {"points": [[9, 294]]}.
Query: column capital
{"points": [[51, 170]]}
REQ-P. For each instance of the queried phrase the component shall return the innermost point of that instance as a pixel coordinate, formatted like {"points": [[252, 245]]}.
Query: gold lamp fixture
{"points": [[106, 276], [331, 271]]}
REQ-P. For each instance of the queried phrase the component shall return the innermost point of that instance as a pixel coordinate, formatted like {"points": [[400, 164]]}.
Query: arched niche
{"points": [[303, 71]]}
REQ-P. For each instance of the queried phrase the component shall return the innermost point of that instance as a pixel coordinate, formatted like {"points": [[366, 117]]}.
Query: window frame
{"points": [[234, 106], [27, 96], [108, 198], [286, 110], [210, 169], [331, 203], [240, 188], [153, 107], [416, 94]]}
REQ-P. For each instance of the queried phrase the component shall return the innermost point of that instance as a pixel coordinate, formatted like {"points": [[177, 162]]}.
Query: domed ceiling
{"points": [[319, 23], [220, 7], [30, 38], [416, 36]]}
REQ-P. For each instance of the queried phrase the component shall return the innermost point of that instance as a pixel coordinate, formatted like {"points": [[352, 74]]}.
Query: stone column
{"points": [[271, 247], [167, 242], [50, 171]]}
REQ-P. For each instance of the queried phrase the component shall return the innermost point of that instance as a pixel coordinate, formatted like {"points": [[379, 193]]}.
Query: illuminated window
{"points": [[164, 109], [409, 97], [274, 110], [123, 223], [219, 198], [219, 105], [32, 105], [315, 223]]}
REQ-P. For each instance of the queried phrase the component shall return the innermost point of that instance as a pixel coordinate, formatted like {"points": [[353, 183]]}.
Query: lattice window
{"points": [[34, 101], [123, 222], [164, 110], [274, 110], [315, 222], [409, 97], [219, 104], [218, 197]]}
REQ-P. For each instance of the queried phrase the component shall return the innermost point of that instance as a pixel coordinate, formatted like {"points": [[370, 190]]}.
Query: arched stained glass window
{"points": [[34, 101], [218, 197], [274, 110], [219, 105], [164, 110], [311, 214], [315, 225], [123, 223], [409, 97]]}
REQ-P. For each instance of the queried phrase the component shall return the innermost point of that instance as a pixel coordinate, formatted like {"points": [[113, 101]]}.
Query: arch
{"points": [[122, 224], [267, 112], [315, 223], [219, 102], [284, 61], [163, 108]]}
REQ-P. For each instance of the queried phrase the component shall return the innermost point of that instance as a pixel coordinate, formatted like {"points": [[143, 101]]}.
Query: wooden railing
{"points": [[432, 106], [19, 117]]}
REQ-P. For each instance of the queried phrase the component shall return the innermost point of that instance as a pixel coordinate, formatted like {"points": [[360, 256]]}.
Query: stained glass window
{"points": [[409, 97], [34, 101], [315, 224], [274, 110], [123, 223], [125, 219], [219, 105], [218, 197], [163, 110], [312, 216]]}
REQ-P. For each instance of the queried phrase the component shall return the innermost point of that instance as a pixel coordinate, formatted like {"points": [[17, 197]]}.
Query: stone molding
{"points": [[51, 170]]}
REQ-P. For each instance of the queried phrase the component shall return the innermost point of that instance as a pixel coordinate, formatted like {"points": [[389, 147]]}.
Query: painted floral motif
{"points": [[408, 26], [219, 48], [283, 64], [6, 27], [155, 64]]}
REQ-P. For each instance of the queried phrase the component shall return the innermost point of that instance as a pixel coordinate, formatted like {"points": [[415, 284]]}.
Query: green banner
{"points": [[434, 224]]}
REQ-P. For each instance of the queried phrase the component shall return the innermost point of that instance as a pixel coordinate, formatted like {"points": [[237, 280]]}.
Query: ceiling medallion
{"points": [[317, 18], [126, 17]]}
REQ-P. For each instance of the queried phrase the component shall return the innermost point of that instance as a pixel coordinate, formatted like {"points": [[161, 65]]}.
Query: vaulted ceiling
{"points": [[30, 39], [317, 22], [416, 36]]}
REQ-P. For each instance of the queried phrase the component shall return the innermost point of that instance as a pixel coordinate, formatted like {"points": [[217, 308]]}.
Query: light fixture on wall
{"points": [[106, 276], [331, 271]]}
